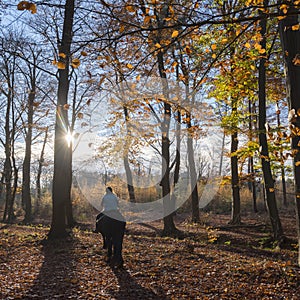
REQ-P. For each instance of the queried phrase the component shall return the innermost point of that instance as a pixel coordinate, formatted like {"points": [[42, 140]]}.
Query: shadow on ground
{"points": [[57, 276]]}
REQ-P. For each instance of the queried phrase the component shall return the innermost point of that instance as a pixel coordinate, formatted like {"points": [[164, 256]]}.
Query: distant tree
{"points": [[8, 73]]}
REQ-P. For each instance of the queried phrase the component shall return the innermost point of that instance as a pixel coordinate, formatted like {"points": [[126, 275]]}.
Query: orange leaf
{"points": [[25, 5], [75, 63], [213, 47], [61, 65], [129, 66], [175, 33]]}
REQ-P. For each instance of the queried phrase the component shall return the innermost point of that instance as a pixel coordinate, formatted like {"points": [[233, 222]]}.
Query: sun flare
{"points": [[70, 137]]}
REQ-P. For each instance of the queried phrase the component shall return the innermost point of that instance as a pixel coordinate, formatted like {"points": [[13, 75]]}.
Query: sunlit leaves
{"points": [[25, 5], [75, 62], [130, 8], [129, 66], [175, 33], [284, 8], [59, 64], [296, 60]]}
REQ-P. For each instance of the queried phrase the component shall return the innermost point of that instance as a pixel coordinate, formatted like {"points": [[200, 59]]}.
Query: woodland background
{"points": [[74, 67]]}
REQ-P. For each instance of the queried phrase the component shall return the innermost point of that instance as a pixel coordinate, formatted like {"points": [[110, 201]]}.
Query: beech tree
{"points": [[62, 176]]}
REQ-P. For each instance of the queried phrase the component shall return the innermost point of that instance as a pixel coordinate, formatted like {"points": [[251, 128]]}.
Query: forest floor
{"points": [[210, 260]]}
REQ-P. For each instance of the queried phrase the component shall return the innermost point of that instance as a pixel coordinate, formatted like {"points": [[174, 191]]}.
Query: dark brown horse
{"points": [[112, 227]]}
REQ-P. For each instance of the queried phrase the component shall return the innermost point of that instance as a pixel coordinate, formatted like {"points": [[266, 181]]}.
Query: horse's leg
{"points": [[109, 248], [104, 241], [118, 245]]}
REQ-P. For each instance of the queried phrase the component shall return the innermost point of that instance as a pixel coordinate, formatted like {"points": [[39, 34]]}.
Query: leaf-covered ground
{"points": [[210, 261]]}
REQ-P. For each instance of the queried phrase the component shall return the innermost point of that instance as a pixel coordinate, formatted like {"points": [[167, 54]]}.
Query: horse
{"points": [[112, 226]]}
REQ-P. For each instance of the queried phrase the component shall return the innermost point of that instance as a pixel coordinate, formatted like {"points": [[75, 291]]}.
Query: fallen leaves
{"points": [[233, 267]]}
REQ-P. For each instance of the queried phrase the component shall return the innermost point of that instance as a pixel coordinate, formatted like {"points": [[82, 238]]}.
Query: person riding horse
{"points": [[111, 224]]}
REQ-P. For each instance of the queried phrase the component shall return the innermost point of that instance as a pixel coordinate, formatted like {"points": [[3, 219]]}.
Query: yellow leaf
{"points": [[66, 106], [157, 45], [262, 51], [62, 55], [213, 47], [61, 65], [297, 163], [54, 62], [257, 46], [175, 33], [129, 66], [138, 78], [296, 27], [271, 190], [75, 63], [247, 45], [253, 67], [214, 56], [224, 41]]}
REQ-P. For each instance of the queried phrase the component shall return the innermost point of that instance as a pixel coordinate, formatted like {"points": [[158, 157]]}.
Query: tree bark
{"points": [[290, 40], [62, 177], [130, 186], [236, 201], [26, 192], [265, 159], [39, 173], [193, 173]]}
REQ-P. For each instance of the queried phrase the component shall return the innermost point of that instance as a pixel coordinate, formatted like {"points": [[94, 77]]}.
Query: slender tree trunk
{"points": [[7, 163], [169, 225], [130, 186], [222, 153], [26, 191], [282, 169], [62, 177], [190, 147], [251, 162], [290, 40], [193, 173], [265, 159], [11, 215], [236, 202], [39, 174]]}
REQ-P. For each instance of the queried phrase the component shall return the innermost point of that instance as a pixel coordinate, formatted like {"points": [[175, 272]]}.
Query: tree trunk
{"points": [[283, 183], [252, 186], [169, 225], [236, 201], [290, 40], [193, 173], [265, 159], [39, 173], [62, 177], [26, 192], [7, 163], [130, 186]]}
